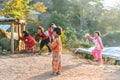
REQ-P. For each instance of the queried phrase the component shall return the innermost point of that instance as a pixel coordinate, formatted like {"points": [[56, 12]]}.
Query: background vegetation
{"points": [[76, 17]]}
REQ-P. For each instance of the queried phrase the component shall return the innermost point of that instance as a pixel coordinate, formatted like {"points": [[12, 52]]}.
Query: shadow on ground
{"points": [[47, 75]]}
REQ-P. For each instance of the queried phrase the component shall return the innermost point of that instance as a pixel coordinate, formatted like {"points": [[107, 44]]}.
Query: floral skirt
{"points": [[56, 62]]}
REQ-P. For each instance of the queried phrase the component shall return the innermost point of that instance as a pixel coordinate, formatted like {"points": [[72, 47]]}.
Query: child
{"points": [[56, 46], [44, 39], [29, 41], [50, 31], [97, 51]]}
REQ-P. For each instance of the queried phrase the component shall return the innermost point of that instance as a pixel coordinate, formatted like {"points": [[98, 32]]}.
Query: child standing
{"points": [[97, 51], [44, 39], [29, 41], [56, 46]]}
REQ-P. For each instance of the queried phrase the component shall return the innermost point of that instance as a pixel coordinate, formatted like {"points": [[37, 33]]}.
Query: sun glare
{"points": [[110, 3]]}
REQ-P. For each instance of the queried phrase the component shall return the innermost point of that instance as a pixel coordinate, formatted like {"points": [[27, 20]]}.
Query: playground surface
{"points": [[38, 67]]}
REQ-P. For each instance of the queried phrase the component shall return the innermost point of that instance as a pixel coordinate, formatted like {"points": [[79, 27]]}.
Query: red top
{"points": [[28, 40], [42, 36]]}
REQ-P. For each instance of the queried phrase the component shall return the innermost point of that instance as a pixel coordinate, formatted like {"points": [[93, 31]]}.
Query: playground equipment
{"points": [[16, 26]]}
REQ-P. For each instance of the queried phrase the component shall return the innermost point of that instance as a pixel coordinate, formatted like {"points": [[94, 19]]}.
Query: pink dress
{"points": [[97, 51], [50, 34]]}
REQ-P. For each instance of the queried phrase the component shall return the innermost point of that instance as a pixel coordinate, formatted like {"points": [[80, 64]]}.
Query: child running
{"points": [[44, 39], [97, 51], [56, 46], [29, 41]]}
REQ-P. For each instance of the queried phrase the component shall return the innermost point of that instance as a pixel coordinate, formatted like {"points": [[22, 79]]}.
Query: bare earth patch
{"points": [[19, 67]]}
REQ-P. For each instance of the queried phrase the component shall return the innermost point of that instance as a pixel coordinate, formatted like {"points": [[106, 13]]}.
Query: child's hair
{"points": [[41, 28], [58, 30], [98, 32], [52, 25], [25, 33]]}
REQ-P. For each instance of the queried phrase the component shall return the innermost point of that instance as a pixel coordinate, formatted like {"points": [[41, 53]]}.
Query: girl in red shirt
{"points": [[44, 39], [29, 41]]}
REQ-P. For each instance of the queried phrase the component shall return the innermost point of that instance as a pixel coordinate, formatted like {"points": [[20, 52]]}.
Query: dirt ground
{"points": [[38, 67]]}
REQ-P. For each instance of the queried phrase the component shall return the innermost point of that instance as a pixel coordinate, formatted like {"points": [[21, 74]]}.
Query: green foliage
{"points": [[39, 6], [77, 17], [3, 33], [31, 28], [60, 6], [70, 40], [20, 8], [70, 33], [112, 39], [59, 19], [6, 43], [69, 37], [94, 26], [85, 44], [16, 8]]}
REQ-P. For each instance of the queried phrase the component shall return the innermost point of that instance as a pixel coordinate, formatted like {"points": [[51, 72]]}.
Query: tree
{"points": [[39, 6], [20, 8], [61, 6], [16, 8], [59, 19], [84, 16]]}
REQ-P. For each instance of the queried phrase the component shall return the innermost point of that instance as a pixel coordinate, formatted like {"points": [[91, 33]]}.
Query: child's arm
{"points": [[37, 36], [54, 44], [22, 38], [89, 37]]}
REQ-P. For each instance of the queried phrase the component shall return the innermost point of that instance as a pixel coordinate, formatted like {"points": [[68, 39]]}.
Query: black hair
{"points": [[25, 33], [52, 24], [58, 30]]}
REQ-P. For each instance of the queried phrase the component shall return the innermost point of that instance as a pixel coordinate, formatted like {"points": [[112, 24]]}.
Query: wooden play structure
{"points": [[17, 26]]}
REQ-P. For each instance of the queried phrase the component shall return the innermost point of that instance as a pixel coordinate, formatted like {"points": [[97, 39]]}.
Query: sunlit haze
{"points": [[110, 3]]}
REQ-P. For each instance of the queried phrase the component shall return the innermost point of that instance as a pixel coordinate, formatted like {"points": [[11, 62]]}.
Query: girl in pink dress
{"points": [[50, 31], [97, 51]]}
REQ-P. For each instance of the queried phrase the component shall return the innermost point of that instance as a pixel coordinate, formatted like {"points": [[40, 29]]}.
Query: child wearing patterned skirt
{"points": [[56, 46], [97, 51]]}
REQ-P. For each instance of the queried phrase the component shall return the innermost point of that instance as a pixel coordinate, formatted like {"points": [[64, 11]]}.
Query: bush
{"points": [[68, 38], [31, 28], [59, 19], [86, 44], [112, 39], [6, 43], [3, 33]]}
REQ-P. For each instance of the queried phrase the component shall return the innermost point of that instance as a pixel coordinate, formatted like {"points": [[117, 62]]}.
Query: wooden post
{"points": [[18, 37], [12, 38], [22, 27]]}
